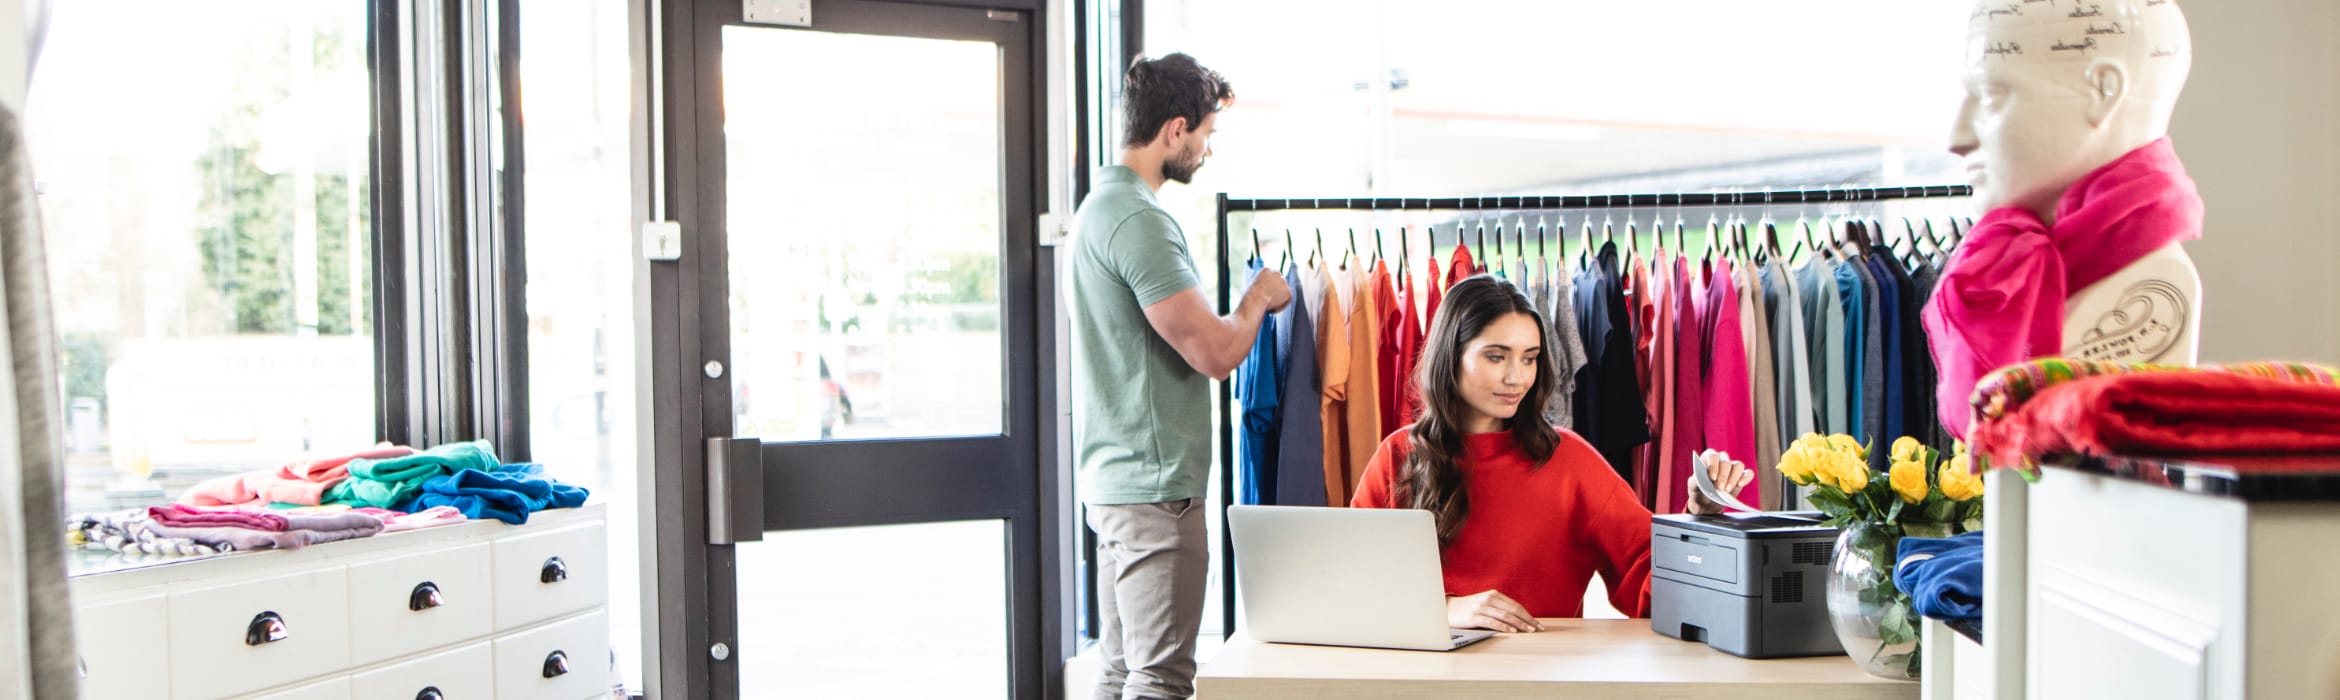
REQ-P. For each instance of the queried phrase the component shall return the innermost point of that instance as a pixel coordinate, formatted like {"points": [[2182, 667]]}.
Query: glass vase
{"points": [[1872, 617]]}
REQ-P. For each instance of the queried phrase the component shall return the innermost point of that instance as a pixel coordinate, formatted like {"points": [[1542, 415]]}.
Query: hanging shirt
{"points": [[1609, 412], [1855, 348], [1690, 326], [1658, 361], [1755, 319], [1300, 436], [1332, 353], [1463, 267], [1873, 333], [1537, 533], [1729, 419], [1363, 409], [1890, 323], [1407, 340], [1925, 278], [1258, 394], [1792, 352], [1411, 404], [1566, 343], [1388, 357]]}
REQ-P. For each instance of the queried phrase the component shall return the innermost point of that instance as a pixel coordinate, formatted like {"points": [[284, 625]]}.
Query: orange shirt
{"points": [[1536, 535]]}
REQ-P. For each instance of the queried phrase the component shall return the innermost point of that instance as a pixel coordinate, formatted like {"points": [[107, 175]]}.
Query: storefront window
{"points": [[208, 237], [578, 222]]}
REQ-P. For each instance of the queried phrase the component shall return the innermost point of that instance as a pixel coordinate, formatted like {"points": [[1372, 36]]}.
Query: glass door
{"points": [[864, 298]]}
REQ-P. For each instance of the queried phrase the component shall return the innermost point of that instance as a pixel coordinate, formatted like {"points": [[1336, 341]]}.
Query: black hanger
{"points": [[1319, 247], [1404, 272], [1352, 245], [1479, 259], [1377, 246], [1931, 240], [1287, 248], [1254, 246], [1771, 237]]}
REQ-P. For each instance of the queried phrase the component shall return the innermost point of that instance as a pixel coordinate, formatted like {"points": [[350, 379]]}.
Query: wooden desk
{"points": [[1582, 658]]}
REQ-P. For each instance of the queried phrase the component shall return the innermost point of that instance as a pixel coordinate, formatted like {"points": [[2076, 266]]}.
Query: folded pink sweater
{"points": [[302, 482]]}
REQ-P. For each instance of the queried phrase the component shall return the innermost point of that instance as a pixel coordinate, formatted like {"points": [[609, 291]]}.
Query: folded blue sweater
{"points": [[509, 494], [1943, 577]]}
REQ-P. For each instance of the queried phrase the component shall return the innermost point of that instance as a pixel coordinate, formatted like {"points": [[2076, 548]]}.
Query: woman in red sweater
{"points": [[1526, 513]]}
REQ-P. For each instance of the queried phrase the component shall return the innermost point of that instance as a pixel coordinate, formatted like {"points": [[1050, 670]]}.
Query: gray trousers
{"points": [[1152, 563]]}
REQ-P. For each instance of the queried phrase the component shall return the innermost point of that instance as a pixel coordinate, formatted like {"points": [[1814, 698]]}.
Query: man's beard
{"points": [[1182, 171]]}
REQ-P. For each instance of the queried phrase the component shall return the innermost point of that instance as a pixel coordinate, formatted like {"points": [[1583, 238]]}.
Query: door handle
{"points": [[556, 664], [555, 571], [430, 693], [735, 490]]}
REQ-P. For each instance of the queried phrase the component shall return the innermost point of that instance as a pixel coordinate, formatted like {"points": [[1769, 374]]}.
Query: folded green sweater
{"points": [[380, 483]]}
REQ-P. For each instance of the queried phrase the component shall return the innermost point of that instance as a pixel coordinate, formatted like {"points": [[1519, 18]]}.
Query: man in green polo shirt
{"points": [[1146, 346]]}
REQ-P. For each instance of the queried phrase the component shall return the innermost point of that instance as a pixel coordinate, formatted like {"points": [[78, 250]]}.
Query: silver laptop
{"points": [[1358, 577]]}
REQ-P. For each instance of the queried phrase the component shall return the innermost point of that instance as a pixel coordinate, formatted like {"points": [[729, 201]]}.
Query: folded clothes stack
{"points": [[1943, 577], [2069, 407], [384, 488]]}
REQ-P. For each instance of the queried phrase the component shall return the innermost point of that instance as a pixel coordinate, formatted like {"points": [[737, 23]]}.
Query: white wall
{"points": [[2259, 127]]}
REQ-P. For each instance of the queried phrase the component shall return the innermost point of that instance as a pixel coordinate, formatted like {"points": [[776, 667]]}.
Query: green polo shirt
{"points": [[1142, 416]]}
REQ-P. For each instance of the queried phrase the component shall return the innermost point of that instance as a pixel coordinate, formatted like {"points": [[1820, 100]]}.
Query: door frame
{"points": [[688, 586]]}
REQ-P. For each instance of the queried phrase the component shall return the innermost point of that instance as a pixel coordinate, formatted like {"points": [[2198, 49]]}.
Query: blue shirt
{"points": [[1300, 439], [1259, 391]]}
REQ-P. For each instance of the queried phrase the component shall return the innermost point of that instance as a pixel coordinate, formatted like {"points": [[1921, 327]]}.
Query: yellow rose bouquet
{"points": [[1922, 493]]}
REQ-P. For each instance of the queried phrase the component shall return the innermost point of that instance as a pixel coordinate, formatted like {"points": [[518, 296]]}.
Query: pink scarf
{"points": [[2001, 299]]}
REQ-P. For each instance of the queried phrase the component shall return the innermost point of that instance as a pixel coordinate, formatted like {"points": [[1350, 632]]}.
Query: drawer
{"points": [[412, 603], [574, 653], [221, 641], [466, 673], [122, 649], [335, 688], [540, 576]]}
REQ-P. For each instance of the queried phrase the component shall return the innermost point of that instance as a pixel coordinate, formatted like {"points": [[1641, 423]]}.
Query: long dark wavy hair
{"points": [[1430, 480]]}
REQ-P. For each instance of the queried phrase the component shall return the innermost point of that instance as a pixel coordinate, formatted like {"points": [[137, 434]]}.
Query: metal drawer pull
{"points": [[266, 627], [425, 596], [557, 664], [430, 693], [555, 571]]}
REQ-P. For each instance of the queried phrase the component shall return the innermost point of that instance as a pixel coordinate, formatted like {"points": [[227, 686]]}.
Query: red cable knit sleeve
{"points": [[1378, 487], [1615, 524]]}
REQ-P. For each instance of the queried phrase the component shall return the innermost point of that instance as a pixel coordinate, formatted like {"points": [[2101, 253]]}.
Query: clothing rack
{"points": [[1225, 424]]}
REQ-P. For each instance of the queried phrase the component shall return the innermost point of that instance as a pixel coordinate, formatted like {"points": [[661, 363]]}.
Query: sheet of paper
{"points": [[1706, 484]]}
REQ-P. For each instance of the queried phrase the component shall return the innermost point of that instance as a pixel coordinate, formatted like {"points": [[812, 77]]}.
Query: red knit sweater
{"points": [[1536, 535]]}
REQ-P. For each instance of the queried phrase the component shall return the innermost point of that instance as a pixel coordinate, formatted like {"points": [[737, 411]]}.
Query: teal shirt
{"points": [[1142, 415]]}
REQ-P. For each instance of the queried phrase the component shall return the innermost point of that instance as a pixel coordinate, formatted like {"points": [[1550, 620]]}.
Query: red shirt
{"points": [[1536, 535]]}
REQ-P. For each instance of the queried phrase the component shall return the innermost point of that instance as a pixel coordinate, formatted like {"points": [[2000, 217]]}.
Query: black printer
{"points": [[1751, 584]]}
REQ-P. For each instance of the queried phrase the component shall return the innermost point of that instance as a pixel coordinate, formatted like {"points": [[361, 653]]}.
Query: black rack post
{"points": [[1226, 431]]}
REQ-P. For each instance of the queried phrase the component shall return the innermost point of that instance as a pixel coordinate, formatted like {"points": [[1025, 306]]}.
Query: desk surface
{"points": [[1591, 658]]}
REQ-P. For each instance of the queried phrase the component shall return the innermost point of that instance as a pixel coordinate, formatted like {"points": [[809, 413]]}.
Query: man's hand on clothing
{"points": [[1269, 290]]}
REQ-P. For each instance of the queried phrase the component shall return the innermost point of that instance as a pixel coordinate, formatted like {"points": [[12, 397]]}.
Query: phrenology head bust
{"points": [[2057, 88]]}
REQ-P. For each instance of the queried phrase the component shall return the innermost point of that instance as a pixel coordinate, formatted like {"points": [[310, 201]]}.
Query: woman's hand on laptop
{"points": [[1490, 610], [1729, 476]]}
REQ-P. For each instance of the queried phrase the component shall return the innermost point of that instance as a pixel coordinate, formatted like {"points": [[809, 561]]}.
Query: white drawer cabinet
{"points": [[416, 615]]}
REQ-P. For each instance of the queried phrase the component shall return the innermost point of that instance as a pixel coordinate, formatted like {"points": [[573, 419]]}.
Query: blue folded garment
{"points": [[1943, 577], [509, 494]]}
